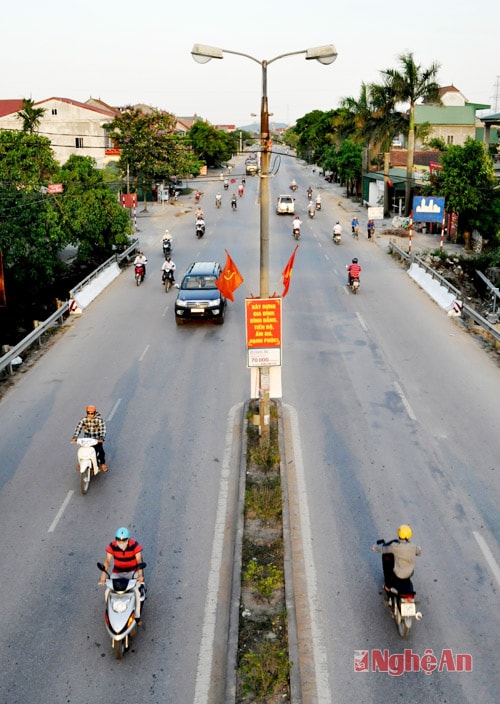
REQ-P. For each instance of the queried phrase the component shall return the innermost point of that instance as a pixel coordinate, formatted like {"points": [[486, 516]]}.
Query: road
{"points": [[397, 419]]}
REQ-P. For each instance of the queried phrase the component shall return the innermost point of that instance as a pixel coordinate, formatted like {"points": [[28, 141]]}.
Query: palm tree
{"points": [[408, 85], [30, 115]]}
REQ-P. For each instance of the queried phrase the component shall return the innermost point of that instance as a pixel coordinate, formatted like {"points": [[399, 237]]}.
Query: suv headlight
{"points": [[181, 304]]}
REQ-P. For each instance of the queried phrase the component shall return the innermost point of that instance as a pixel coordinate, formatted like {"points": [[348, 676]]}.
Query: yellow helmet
{"points": [[404, 532]]}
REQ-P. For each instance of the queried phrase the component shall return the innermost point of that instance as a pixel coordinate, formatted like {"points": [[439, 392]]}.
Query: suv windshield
{"points": [[191, 283]]}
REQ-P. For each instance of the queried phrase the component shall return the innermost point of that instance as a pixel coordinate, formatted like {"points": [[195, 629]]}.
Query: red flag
{"points": [[229, 279], [287, 273]]}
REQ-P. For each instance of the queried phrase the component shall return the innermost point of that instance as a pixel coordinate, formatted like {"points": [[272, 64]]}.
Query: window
{"points": [[79, 142], [54, 111], [449, 139]]}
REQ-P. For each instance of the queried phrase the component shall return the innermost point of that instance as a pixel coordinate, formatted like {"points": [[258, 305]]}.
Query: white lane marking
{"points": [[488, 556], [144, 353], [61, 511], [324, 695], [405, 401], [207, 645], [167, 308], [361, 321], [115, 407]]}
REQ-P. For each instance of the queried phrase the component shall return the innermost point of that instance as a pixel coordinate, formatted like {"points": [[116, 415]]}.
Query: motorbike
{"points": [[318, 205], [354, 285], [355, 232], [310, 193], [168, 280], [139, 273], [401, 604], [120, 597], [311, 210], [337, 237], [296, 233], [197, 196], [226, 185], [218, 201], [88, 466], [200, 230], [167, 246], [240, 191], [234, 204], [293, 186]]}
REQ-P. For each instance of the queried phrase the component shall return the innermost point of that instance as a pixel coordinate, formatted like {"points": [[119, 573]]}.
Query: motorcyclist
{"points": [[311, 208], [126, 554], [234, 201], [293, 185], [297, 222], [141, 260], [226, 184], [199, 213], [93, 426], [337, 230], [167, 241], [353, 270], [240, 189], [200, 225], [355, 225], [370, 228], [167, 267], [399, 570], [310, 193], [218, 199]]}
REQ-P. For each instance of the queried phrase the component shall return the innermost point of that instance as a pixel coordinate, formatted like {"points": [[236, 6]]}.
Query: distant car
{"points": [[285, 204], [198, 296]]}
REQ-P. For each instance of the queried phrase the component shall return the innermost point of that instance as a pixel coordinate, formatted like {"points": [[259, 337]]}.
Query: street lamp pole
{"points": [[325, 55]]}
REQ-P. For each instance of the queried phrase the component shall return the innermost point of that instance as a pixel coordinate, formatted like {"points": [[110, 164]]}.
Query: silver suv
{"points": [[285, 204]]}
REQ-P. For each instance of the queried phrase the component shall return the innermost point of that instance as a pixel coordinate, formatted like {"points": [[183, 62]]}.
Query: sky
{"points": [[124, 52]]}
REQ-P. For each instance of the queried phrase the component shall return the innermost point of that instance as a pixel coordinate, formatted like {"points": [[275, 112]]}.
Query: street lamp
{"points": [[325, 55]]}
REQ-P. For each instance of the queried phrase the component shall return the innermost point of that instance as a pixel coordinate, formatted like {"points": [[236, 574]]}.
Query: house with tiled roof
{"points": [[72, 127], [453, 121]]}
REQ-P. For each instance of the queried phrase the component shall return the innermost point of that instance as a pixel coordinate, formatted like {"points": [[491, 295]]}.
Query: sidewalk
{"points": [[345, 209]]}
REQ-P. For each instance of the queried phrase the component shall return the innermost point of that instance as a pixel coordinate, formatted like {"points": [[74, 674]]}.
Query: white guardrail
{"points": [[466, 311], [7, 360]]}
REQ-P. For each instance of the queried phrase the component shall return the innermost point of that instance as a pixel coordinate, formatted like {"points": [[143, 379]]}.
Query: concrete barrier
{"points": [[91, 290], [442, 296]]}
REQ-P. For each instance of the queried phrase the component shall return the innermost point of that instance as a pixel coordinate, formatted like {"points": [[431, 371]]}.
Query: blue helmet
{"points": [[122, 534]]}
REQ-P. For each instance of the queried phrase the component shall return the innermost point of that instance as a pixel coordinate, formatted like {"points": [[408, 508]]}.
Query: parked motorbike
{"points": [[88, 465], [122, 592], [139, 273], [401, 604], [200, 230]]}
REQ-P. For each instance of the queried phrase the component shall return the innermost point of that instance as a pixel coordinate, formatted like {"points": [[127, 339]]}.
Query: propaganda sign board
{"points": [[428, 209], [263, 331]]}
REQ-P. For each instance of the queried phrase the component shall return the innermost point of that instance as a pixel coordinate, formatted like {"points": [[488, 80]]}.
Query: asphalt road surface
{"points": [[397, 418]]}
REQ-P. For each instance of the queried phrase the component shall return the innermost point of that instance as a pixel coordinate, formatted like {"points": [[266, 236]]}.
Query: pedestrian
{"points": [[370, 227]]}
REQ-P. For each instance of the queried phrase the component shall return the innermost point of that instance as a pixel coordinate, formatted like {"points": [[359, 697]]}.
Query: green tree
{"points": [[408, 85], [349, 160], [467, 182], [212, 146], [91, 215], [30, 115], [149, 148], [26, 160]]}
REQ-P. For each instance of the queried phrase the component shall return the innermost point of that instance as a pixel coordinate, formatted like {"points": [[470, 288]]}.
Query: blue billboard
{"points": [[428, 209]]}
